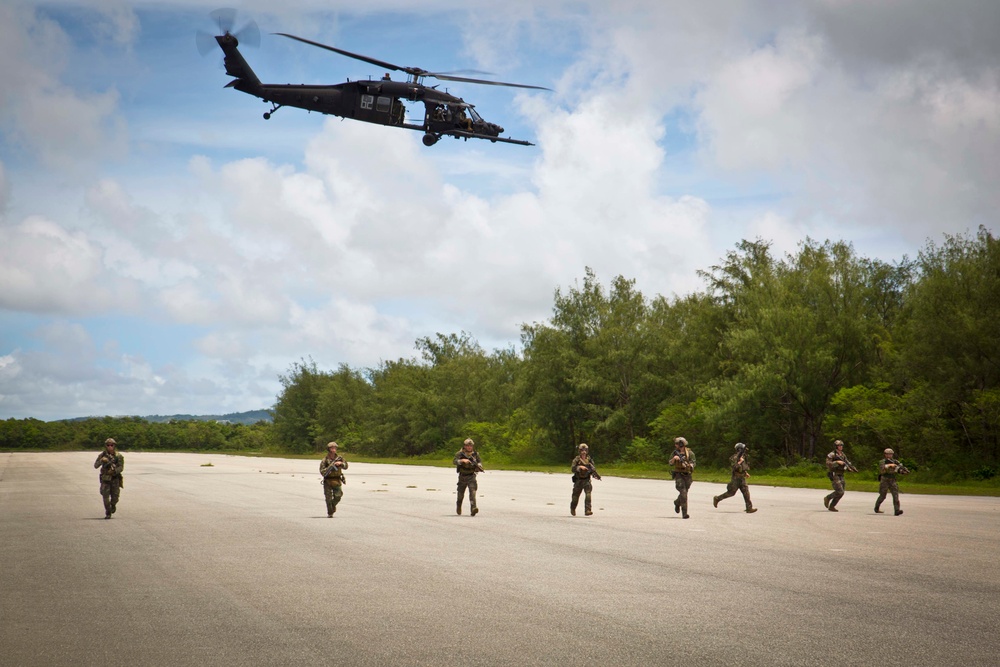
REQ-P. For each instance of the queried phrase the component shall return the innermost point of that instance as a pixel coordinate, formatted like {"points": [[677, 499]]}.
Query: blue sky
{"points": [[163, 249]]}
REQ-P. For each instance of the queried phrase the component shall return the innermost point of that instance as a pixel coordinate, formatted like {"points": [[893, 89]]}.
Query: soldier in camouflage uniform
{"points": [[684, 462], [741, 471], [111, 464], [468, 464], [583, 469], [888, 468], [836, 465], [333, 481]]}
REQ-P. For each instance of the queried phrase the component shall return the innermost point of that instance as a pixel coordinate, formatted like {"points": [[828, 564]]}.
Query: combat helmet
{"points": [[740, 447], [680, 441], [583, 447], [888, 453]]}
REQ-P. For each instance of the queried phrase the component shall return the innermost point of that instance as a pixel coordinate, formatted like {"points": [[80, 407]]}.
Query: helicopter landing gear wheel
{"points": [[430, 139], [274, 107]]}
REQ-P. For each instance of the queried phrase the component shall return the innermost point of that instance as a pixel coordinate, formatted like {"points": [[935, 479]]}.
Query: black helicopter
{"points": [[378, 101]]}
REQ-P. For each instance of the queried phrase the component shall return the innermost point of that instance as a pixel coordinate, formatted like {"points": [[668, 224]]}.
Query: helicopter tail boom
{"points": [[236, 65]]}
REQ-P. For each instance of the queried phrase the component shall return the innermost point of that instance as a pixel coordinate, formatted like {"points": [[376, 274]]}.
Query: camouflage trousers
{"points": [[110, 492], [467, 482], [885, 486], [585, 487], [333, 494], [737, 484], [838, 490], [683, 483]]}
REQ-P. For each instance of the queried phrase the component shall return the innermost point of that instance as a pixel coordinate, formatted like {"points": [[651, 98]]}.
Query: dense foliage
{"points": [[133, 433], [783, 353]]}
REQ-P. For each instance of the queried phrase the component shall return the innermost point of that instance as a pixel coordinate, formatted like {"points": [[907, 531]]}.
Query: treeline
{"points": [[134, 433], [784, 354]]}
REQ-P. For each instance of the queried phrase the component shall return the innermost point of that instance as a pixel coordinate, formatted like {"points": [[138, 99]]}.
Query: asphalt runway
{"points": [[237, 564]]}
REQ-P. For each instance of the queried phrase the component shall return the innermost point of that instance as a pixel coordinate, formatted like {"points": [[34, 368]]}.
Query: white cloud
{"points": [[367, 240], [43, 115], [44, 268]]}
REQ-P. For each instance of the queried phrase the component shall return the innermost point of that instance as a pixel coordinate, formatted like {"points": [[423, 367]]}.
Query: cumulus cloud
{"points": [[44, 115], [898, 135], [44, 268], [828, 119]]}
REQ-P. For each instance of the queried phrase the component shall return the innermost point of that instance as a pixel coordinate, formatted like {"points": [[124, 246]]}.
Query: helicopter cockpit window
{"points": [[383, 104]]}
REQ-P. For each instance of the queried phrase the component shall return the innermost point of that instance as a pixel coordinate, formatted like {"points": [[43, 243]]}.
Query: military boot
{"points": [[751, 510], [715, 501], [826, 502], [898, 512], [458, 509], [475, 511], [877, 510]]}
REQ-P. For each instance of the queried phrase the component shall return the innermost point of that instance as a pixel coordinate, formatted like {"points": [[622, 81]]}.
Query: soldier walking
{"points": [[684, 462], [888, 468], [741, 471], [111, 464], [468, 464], [331, 468], [836, 465], [583, 469]]}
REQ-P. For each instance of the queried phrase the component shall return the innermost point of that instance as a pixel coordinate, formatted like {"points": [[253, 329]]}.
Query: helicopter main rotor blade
{"points": [[356, 56], [446, 77], [413, 71]]}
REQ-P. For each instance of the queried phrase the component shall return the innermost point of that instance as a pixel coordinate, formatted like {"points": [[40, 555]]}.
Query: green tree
{"points": [[800, 330], [295, 425], [950, 340]]}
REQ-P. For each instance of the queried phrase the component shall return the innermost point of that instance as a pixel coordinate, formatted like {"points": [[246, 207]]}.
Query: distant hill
{"points": [[249, 417]]}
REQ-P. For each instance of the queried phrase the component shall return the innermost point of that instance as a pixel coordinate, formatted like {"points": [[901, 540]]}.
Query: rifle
{"points": [[593, 471], [110, 465], [848, 466], [900, 468], [476, 465], [334, 467], [740, 468]]}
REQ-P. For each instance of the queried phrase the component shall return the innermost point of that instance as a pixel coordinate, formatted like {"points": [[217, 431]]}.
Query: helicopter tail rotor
{"points": [[225, 20]]}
